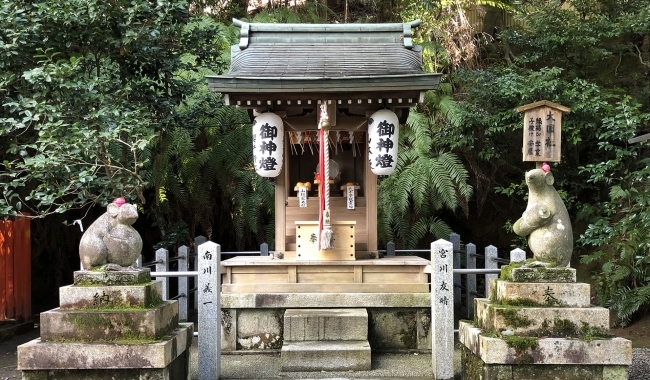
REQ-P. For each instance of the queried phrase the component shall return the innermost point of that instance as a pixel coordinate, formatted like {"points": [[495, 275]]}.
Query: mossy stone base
{"points": [[109, 325], [540, 274], [175, 363], [143, 296], [62, 358], [474, 368], [542, 321], [542, 294], [112, 278]]}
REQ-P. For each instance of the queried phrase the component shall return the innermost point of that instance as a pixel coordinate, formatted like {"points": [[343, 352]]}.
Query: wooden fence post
{"points": [[8, 247]]}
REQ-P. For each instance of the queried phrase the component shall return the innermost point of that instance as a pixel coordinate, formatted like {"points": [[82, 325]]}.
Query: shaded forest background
{"points": [[107, 98]]}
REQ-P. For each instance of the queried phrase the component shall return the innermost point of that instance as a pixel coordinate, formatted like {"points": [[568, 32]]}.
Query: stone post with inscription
{"points": [[442, 309], [209, 287]]}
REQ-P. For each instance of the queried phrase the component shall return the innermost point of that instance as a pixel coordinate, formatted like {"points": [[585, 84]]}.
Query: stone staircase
{"points": [[325, 340]]}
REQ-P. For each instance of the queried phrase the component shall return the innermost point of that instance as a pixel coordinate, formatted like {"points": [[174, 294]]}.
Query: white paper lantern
{"points": [[383, 139], [268, 144]]}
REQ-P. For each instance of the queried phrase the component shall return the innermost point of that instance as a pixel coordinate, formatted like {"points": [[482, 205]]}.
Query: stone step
{"points": [[326, 356], [539, 274], [543, 293], [108, 325], [541, 321], [612, 351], [326, 324], [102, 297], [49, 356], [128, 276]]}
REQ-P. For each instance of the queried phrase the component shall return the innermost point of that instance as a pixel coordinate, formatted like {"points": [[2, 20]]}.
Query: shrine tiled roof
{"points": [[324, 58]]}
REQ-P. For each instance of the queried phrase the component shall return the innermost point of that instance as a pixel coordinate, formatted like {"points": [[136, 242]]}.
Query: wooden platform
{"points": [[401, 274]]}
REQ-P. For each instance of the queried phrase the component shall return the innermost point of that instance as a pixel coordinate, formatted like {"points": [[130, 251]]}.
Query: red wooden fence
{"points": [[15, 269]]}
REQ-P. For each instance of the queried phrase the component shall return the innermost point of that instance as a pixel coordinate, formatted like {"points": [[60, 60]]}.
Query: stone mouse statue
{"points": [[546, 220], [111, 241]]}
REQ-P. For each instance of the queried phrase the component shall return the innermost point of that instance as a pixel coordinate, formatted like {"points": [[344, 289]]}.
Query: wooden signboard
{"points": [[542, 131]]}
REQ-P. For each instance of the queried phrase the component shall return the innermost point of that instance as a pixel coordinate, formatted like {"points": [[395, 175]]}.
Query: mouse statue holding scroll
{"points": [[546, 220], [111, 242]]}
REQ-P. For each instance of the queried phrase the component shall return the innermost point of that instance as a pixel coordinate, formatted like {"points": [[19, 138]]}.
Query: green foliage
{"points": [[206, 172], [84, 88], [203, 174], [109, 99], [427, 180], [308, 12], [620, 225]]}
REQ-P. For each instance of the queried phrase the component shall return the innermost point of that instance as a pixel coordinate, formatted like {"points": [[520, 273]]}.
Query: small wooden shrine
{"points": [[349, 72], [326, 101]]}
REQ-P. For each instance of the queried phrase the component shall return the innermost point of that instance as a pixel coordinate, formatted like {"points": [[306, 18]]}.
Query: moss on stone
{"points": [[506, 271], [542, 274], [521, 302], [532, 271], [472, 365], [521, 343], [590, 333], [564, 328], [512, 318], [489, 334], [91, 321], [101, 284], [122, 307], [409, 335]]}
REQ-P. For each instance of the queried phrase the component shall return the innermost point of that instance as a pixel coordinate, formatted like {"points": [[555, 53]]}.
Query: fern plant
{"points": [[203, 175], [428, 179]]}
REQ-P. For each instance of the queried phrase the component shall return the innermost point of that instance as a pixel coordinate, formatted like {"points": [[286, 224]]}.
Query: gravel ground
{"points": [[640, 368], [265, 366]]}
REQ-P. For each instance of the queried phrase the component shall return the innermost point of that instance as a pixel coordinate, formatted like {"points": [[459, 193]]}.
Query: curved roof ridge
{"points": [[300, 28]]}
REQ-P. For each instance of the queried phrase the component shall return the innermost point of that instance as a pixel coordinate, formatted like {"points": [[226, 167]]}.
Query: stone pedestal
{"points": [[539, 324], [110, 325]]}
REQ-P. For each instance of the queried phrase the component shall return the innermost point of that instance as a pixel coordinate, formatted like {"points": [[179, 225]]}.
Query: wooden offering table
{"points": [[399, 274]]}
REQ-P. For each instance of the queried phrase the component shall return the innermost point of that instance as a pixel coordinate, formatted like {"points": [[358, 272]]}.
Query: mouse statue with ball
{"points": [[111, 243]]}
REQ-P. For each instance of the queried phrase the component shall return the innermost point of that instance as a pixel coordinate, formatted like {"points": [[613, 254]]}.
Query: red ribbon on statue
{"points": [[322, 184]]}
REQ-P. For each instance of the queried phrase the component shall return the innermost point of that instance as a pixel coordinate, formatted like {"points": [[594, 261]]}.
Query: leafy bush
{"points": [[620, 231]]}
